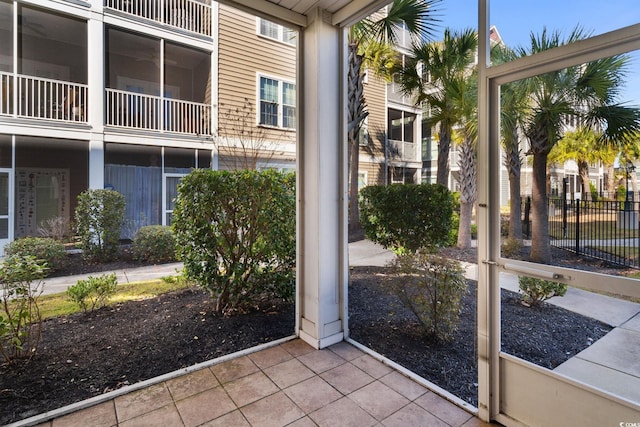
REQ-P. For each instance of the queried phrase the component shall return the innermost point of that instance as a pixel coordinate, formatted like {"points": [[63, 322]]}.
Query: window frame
{"points": [[280, 103], [281, 30]]}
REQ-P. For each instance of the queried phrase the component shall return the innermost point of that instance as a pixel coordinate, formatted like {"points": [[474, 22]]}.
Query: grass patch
{"points": [[627, 252], [59, 304]]}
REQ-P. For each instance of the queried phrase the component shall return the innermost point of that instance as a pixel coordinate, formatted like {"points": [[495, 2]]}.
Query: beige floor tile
{"points": [[477, 422], [346, 378], [273, 411], [103, 414], [312, 394], [269, 357], [167, 416], [205, 406], [321, 360], [232, 419], [288, 373], [413, 416], [342, 413], [371, 366], [303, 422], [45, 424], [346, 350], [404, 385], [248, 389], [192, 383], [297, 347], [443, 409], [142, 401], [378, 400], [234, 369]]}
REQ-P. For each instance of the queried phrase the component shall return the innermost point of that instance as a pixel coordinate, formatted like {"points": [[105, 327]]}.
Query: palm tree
{"points": [[514, 104], [432, 74], [368, 43], [467, 103], [582, 146], [588, 93]]}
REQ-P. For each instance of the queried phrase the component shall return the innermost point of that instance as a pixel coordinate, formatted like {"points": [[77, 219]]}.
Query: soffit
{"points": [[342, 12]]}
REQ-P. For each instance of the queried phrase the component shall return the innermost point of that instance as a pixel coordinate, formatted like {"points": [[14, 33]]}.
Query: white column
{"points": [[95, 101], [322, 244]]}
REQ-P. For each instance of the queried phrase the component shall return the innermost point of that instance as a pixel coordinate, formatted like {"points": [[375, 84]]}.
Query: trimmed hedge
{"points": [[45, 249], [235, 233], [407, 217], [154, 244], [99, 219]]}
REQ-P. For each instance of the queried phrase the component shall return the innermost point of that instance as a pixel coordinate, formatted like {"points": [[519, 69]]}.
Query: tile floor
{"points": [[291, 384]]}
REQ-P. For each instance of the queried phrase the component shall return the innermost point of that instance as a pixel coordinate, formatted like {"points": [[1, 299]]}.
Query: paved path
{"points": [[611, 363]]}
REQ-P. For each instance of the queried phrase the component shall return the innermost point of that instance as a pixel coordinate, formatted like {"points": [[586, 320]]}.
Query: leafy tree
{"points": [[588, 93], [434, 74], [368, 46]]}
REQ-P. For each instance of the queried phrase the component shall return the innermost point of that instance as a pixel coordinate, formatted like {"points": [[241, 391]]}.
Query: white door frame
{"points": [[10, 213], [165, 211]]}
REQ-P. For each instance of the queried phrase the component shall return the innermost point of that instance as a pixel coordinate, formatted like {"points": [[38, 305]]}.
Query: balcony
{"points": [[40, 98], [190, 15], [147, 112], [403, 151]]}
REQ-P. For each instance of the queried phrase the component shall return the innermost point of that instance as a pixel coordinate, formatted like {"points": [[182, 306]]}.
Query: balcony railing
{"points": [[147, 112], [190, 15], [43, 98], [403, 151]]}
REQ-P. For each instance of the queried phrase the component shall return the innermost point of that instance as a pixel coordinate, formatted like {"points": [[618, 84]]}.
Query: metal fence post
{"points": [[577, 202]]}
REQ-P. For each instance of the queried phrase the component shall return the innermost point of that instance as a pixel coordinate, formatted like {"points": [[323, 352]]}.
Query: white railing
{"points": [[401, 150], [138, 111], [190, 15], [43, 98]]}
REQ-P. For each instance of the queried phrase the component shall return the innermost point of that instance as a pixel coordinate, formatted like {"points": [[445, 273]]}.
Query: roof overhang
{"points": [[294, 12]]}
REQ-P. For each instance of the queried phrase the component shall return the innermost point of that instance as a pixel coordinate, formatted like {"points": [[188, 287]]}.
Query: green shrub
{"points": [[20, 320], [535, 291], [155, 244], [235, 233], [453, 232], [431, 287], [99, 219], [42, 248], [94, 292], [406, 217], [510, 248]]}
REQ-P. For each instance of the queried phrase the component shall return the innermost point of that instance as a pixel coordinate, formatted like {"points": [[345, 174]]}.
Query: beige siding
{"points": [[243, 55], [375, 94]]}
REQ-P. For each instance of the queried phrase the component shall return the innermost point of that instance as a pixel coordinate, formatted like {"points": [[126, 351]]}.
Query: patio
{"points": [[290, 384]]}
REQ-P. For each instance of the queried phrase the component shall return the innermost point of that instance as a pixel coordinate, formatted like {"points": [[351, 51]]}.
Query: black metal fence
{"points": [[602, 229]]}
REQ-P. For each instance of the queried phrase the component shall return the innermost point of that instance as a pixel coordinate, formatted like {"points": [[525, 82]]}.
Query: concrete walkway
{"points": [[611, 363]]}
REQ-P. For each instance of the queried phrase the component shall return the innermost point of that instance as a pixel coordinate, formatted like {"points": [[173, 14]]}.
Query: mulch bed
{"points": [[85, 355]]}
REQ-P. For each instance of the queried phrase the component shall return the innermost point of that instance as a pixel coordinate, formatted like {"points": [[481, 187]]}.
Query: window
{"points": [[363, 135], [277, 32], [277, 103]]}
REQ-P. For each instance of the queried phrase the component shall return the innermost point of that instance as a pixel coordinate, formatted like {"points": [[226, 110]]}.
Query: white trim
{"points": [[280, 80]]}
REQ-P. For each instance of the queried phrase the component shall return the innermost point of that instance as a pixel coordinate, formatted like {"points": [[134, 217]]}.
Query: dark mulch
{"points": [[85, 355]]}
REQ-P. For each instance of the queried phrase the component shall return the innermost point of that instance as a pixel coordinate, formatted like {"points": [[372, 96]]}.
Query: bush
{"points": [[94, 292], [45, 249], [154, 244], [406, 217], [511, 248], [535, 291], [20, 320], [99, 218], [235, 233], [431, 287], [56, 228]]}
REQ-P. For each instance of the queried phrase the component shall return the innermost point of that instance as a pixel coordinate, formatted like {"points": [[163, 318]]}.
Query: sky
{"points": [[516, 19]]}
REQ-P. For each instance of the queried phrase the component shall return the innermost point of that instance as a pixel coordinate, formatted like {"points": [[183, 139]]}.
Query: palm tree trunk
{"points": [[356, 114], [444, 146], [611, 181], [468, 191], [514, 165], [583, 170], [540, 247]]}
